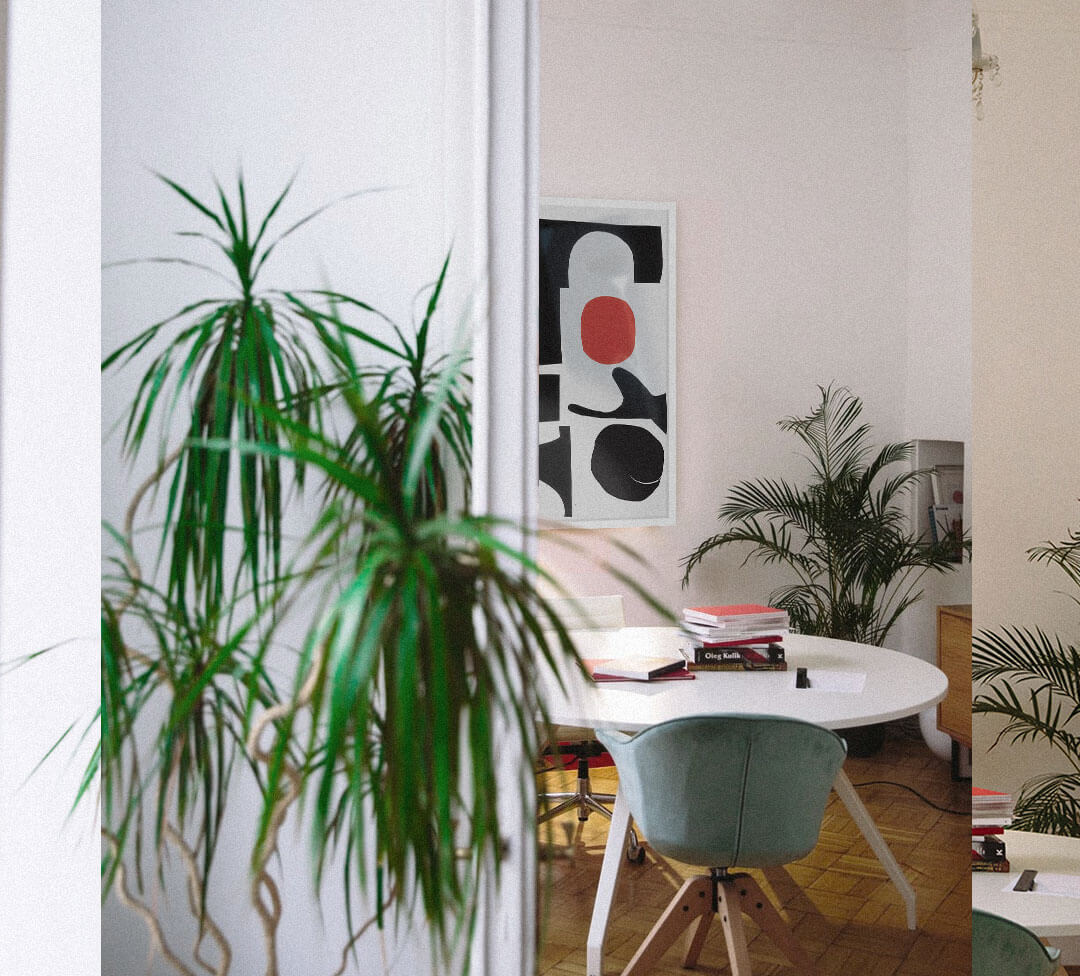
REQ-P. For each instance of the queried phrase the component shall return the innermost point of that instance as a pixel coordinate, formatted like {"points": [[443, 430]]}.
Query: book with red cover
{"points": [[990, 803], [592, 664], [741, 614]]}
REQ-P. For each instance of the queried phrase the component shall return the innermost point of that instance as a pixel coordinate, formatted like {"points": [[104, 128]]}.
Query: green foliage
{"points": [[239, 360], [411, 386], [424, 632], [1032, 680], [429, 639], [198, 675], [844, 535], [176, 669]]}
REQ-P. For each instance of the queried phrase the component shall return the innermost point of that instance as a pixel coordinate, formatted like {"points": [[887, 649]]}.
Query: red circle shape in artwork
{"points": [[607, 329]]}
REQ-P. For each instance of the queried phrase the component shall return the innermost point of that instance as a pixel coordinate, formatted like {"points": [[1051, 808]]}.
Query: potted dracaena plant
{"points": [[1031, 680], [422, 626], [843, 536]]}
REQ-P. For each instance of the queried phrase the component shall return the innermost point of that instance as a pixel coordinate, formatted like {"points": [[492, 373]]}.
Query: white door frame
{"points": [[492, 59]]}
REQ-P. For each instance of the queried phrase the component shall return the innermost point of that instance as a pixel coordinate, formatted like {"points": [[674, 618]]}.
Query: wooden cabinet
{"points": [[954, 658]]}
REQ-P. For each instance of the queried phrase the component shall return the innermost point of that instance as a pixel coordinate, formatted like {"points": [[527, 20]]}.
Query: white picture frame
{"points": [[607, 363]]}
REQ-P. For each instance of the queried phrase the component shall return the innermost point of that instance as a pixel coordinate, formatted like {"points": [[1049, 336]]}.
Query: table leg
{"points": [[605, 889], [866, 824]]}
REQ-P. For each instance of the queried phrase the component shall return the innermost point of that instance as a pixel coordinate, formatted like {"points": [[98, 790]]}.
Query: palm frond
{"points": [[1064, 554], [1028, 656], [844, 534], [1049, 805]]}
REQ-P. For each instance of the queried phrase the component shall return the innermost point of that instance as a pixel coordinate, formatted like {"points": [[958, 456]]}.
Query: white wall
{"points": [[49, 433], [1026, 199], [817, 154], [353, 96]]}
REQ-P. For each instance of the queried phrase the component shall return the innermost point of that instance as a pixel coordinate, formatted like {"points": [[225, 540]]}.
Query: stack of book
{"points": [[991, 813], [741, 637]]}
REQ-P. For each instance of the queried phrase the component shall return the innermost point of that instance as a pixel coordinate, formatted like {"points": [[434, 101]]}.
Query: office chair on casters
{"points": [[726, 790], [1000, 946], [589, 612]]}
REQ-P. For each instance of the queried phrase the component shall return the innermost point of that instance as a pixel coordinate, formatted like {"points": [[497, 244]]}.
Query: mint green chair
{"points": [[1000, 946], [722, 791]]}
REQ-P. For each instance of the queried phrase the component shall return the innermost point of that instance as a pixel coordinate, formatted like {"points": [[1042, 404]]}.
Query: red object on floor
{"points": [[567, 760]]}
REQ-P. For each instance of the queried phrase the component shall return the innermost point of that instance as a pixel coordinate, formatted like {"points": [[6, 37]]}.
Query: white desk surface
{"points": [[896, 685], [1046, 915]]}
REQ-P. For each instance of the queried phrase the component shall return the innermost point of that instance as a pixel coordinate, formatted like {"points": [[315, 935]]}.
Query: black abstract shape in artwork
{"points": [[555, 468], [627, 462], [549, 397], [637, 402], [557, 240]]}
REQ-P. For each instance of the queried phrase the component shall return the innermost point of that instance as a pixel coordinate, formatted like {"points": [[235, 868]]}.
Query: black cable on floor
{"points": [[929, 803]]}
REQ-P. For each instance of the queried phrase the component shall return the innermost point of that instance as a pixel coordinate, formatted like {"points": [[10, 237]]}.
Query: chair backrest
{"points": [[589, 612], [726, 790], [999, 946]]}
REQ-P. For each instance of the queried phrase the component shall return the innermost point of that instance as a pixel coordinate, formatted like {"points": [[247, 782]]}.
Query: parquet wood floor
{"points": [[838, 899]]}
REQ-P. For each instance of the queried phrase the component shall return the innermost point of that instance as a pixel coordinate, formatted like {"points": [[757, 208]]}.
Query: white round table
{"points": [[850, 684], [890, 685], [1047, 915]]}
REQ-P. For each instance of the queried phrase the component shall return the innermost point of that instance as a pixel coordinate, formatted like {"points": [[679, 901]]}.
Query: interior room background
{"points": [[813, 158], [1026, 364], [818, 155]]}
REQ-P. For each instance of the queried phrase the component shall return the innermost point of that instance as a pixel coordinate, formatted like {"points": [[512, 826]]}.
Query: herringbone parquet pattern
{"points": [[838, 899]]}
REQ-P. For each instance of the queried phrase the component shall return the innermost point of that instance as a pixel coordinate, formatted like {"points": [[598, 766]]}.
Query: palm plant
{"points": [[844, 536], [424, 630], [241, 359], [1032, 680]]}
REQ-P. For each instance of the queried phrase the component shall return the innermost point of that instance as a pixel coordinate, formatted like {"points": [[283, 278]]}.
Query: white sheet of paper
{"points": [[850, 682], [1046, 883]]}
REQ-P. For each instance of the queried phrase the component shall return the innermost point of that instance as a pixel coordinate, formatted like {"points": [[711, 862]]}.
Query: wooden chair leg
{"points": [[694, 900], [756, 904], [697, 941], [734, 935]]}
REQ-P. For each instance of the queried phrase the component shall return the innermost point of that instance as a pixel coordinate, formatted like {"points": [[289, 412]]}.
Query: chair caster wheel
{"points": [[636, 855]]}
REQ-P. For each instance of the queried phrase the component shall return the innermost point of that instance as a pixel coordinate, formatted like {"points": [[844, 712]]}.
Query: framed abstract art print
{"points": [[607, 363]]}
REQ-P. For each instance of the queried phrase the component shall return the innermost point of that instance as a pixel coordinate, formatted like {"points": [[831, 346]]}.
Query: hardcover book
{"points": [[719, 638], [717, 655], [737, 615], [637, 668], [762, 657]]}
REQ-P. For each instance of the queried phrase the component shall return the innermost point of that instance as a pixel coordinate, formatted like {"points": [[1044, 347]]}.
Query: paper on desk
{"points": [[1067, 885], [851, 682]]}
